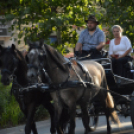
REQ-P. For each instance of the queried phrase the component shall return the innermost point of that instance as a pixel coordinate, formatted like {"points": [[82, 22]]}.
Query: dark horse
{"points": [[37, 74], [14, 65], [60, 73]]}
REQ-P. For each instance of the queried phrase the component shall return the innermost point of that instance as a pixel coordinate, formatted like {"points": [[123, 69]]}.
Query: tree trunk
{"points": [[59, 35]]}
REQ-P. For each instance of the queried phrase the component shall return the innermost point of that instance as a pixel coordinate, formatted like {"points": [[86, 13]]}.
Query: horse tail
{"points": [[110, 105], [109, 100]]}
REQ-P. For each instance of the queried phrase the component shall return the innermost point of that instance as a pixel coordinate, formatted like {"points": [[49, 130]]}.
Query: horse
{"points": [[13, 65], [61, 72], [36, 74]]}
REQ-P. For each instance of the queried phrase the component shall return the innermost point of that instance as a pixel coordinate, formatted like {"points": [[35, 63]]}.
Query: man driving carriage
{"points": [[91, 40]]}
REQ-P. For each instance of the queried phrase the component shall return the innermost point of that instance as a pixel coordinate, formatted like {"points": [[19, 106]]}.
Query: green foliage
{"points": [[48, 16], [119, 12], [41, 113], [10, 113], [9, 108], [43, 17]]}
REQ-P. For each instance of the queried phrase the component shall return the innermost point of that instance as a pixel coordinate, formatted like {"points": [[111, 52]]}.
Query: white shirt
{"points": [[120, 49]]}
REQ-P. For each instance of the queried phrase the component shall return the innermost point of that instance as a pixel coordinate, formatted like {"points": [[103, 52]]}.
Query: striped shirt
{"points": [[90, 41]]}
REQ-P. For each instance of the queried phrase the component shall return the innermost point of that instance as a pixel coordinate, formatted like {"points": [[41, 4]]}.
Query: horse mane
{"points": [[56, 56]]}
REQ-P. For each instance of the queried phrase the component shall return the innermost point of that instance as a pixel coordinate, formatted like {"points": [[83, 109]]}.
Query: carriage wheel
{"points": [[93, 120], [132, 110]]}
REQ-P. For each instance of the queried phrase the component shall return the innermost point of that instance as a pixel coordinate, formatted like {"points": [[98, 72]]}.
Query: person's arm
{"points": [[128, 47], [126, 53], [102, 39], [110, 53], [113, 56], [100, 46], [78, 46]]}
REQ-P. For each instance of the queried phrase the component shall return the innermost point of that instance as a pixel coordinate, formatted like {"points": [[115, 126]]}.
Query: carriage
{"points": [[122, 90]]}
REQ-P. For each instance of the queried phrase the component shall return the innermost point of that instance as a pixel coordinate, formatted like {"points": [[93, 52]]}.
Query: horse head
{"points": [[32, 58], [10, 59], [44, 58]]}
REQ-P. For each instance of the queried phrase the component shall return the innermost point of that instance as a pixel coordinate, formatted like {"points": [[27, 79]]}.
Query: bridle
{"points": [[11, 73], [43, 66]]}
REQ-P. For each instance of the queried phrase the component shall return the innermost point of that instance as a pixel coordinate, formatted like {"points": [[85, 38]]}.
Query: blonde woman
{"points": [[119, 50]]}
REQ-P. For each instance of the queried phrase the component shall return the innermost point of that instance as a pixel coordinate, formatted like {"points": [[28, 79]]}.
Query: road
{"points": [[44, 126]]}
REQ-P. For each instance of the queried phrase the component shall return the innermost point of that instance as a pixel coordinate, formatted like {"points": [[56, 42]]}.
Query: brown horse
{"points": [[61, 73]]}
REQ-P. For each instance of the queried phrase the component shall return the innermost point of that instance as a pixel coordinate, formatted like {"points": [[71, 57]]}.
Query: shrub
{"points": [[10, 113]]}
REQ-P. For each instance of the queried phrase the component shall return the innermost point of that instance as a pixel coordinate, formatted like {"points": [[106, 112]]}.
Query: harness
{"points": [[19, 91], [51, 87]]}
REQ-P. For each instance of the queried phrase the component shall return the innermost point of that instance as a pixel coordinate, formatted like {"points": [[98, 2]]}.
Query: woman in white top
{"points": [[119, 50]]}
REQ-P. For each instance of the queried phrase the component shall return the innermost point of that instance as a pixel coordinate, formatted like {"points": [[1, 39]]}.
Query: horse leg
{"points": [[109, 110], [57, 112], [29, 122], [102, 95], [85, 117], [64, 120], [57, 116], [107, 113], [72, 113], [50, 109], [33, 127]]}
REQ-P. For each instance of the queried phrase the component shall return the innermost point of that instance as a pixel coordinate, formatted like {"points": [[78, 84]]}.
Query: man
{"points": [[91, 40]]}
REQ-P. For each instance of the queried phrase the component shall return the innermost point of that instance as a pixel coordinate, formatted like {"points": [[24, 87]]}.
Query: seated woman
{"points": [[119, 50]]}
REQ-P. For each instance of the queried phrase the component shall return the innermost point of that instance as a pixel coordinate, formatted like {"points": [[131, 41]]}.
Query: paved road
{"points": [[43, 127]]}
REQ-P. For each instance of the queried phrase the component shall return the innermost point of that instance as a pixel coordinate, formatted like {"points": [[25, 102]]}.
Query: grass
{"points": [[10, 113]]}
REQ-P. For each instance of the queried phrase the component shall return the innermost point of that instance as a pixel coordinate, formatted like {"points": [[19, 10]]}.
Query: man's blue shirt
{"points": [[89, 41]]}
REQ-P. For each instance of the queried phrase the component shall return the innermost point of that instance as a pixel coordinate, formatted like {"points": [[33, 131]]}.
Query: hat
{"points": [[92, 18]]}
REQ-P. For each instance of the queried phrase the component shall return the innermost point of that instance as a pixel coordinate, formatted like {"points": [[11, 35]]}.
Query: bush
{"points": [[41, 113], [9, 108], [10, 113]]}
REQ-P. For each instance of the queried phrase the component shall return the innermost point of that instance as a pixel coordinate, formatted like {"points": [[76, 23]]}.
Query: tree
{"points": [[119, 12], [47, 16]]}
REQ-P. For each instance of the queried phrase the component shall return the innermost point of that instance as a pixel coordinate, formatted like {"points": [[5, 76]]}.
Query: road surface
{"points": [[44, 126]]}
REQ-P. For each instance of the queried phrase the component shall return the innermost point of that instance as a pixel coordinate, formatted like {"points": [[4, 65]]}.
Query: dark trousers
{"points": [[94, 55], [118, 65]]}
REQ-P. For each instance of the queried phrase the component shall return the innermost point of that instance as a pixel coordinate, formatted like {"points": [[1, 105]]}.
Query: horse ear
{"points": [[13, 46]]}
